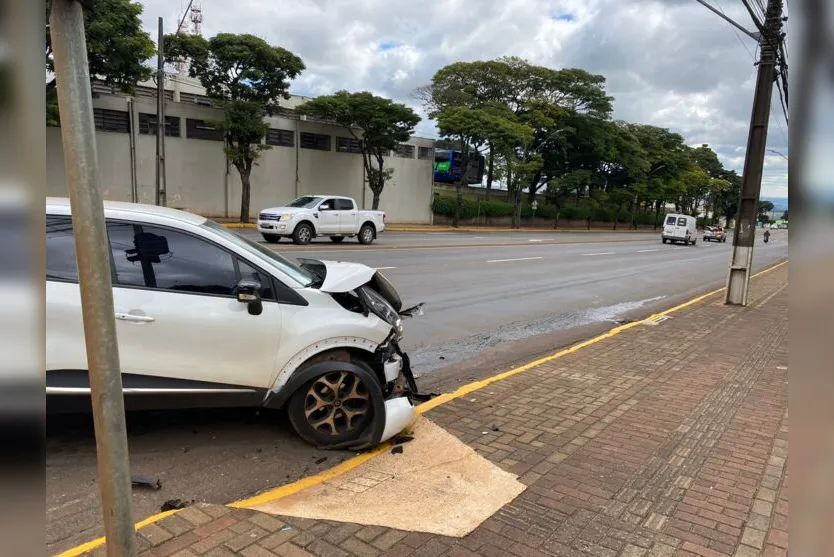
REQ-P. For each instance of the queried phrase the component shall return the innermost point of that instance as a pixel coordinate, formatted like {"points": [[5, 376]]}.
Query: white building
{"points": [[306, 156]]}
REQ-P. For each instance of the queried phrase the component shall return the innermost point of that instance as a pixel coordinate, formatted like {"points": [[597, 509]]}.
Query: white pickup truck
{"points": [[310, 216]]}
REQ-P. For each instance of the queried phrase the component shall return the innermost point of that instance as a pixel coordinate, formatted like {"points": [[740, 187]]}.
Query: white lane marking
{"points": [[601, 253], [516, 259], [646, 250], [535, 240], [384, 268]]}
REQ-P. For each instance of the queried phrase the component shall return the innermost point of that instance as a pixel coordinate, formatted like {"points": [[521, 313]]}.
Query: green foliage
{"points": [[117, 49], [379, 122], [247, 78]]}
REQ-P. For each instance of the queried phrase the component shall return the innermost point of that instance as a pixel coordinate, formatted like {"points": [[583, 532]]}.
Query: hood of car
{"points": [[343, 276]]}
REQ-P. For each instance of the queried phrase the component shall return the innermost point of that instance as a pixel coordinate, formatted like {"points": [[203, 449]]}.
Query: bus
{"points": [[448, 167]]}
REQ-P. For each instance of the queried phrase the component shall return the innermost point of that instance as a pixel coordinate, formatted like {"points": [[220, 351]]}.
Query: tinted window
{"points": [[670, 220], [681, 221], [305, 202], [329, 202], [60, 249], [154, 257], [247, 271], [344, 205]]}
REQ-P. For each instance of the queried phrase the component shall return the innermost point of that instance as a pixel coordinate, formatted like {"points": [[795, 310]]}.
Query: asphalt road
{"points": [[491, 300]]}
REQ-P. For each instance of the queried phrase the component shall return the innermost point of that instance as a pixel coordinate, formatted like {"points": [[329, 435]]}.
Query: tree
{"points": [[765, 207], [785, 215], [380, 123], [472, 128], [117, 49], [247, 78]]}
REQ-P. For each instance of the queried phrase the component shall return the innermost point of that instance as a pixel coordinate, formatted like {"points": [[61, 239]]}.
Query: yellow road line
{"points": [[316, 479]]}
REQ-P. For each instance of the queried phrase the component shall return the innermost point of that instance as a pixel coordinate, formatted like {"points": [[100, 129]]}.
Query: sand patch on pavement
{"points": [[437, 485]]}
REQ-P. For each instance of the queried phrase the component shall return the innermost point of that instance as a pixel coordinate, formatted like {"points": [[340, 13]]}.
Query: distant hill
{"points": [[780, 204]]}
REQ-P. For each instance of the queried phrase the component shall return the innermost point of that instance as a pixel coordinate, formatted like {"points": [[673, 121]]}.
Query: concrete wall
{"points": [[198, 181]]}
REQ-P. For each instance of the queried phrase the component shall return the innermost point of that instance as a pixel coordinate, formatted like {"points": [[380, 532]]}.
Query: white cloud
{"points": [[669, 63]]}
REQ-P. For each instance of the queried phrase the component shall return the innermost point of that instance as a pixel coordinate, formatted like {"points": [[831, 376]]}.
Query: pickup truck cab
{"points": [[310, 216]]}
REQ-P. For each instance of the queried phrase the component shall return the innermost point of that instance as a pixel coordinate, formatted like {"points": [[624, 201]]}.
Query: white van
{"points": [[680, 228]]}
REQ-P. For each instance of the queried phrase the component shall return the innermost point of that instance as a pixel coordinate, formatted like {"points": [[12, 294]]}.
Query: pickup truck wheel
{"points": [[331, 409], [302, 234], [336, 239], [271, 238], [366, 234], [665, 240]]}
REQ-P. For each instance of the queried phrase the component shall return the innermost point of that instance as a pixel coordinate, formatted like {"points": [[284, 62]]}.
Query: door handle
{"points": [[133, 318]]}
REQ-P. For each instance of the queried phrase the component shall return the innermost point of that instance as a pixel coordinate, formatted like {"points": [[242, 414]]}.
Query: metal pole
{"points": [[134, 186], [93, 258], [160, 119], [744, 235]]}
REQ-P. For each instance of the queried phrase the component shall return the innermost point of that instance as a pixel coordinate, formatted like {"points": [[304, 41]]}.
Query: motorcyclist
{"points": [[766, 235]]}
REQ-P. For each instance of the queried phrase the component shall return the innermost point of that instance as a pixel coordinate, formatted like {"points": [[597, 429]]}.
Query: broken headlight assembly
{"points": [[380, 307]]}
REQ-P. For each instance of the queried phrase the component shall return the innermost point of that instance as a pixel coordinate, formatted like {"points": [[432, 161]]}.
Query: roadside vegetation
{"points": [[546, 134]]}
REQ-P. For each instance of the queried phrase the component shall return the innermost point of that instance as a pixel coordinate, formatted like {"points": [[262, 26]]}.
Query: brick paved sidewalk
{"points": [[666, 439]]}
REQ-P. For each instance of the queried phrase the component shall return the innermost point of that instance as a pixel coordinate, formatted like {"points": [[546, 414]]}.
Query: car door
{"points": [[178, 319], [347, 216], [65, 350], [328, 217]]}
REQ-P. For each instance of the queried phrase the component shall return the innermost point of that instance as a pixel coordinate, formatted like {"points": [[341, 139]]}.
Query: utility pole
{"points": [[161, 192], [744, 235], [93, 258]]}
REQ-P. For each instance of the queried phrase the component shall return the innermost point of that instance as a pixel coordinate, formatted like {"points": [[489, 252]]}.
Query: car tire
{"points": [[366, 235], [271, 238], [665, 240], [337, 239], [320, 420], [303, 234]]}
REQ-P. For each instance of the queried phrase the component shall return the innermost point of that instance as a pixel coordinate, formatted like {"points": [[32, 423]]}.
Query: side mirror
{"points": [[248, 292], [324, 207]]}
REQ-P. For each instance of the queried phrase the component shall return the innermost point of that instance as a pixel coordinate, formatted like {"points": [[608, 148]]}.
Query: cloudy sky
{"points": [[670, 63]]}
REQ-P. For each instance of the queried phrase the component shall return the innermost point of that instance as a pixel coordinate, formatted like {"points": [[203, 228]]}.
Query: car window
{"points": [[330, 202], [344, 205], [60, 249], [681, 221], [248, 271], [155, 257], [306, 202], [289, 268], [670, 220]]}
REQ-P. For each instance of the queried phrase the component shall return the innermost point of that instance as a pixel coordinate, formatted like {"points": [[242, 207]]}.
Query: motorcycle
{"points": [[766, 236]]}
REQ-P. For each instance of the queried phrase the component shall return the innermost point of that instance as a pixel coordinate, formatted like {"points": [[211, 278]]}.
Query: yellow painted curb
{"points": [[316, 479], [395, 228], [98, 542]]}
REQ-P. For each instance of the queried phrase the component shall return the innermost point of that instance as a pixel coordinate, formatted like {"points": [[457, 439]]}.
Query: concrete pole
{"points": [[744, 235], [93, 258]]}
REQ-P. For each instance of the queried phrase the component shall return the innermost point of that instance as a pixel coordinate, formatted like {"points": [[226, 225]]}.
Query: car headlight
{"points": [[286, 216], [381, 308]]}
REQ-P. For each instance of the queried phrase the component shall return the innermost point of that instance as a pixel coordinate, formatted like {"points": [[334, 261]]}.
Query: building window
{"points": [[317, 141], [199, 129], [404, 151], [111, 120], [147, 125], [282, 138], [348, 145], [425, 153]]}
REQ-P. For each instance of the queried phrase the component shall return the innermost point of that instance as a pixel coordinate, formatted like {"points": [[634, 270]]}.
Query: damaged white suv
{"points": [[206, 317]]}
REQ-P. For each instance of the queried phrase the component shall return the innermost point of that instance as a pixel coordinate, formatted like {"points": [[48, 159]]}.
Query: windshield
{"points": [[306, 202], [288, 267]]}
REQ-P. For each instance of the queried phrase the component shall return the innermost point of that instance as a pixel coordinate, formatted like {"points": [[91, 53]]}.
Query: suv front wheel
{"points": [[335, 407]]}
